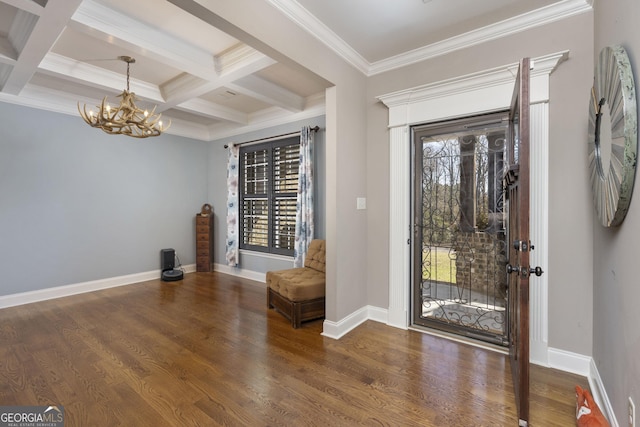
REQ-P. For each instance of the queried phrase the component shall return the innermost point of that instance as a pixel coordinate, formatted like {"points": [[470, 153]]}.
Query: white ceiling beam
{"points": [[203, 72], [268, 92], [240, 61], [33, 47], [231, 65], [90, 75], [184, 87], [97, 77], [99, 21], [213, 110], [8, 54], [26, 5]]}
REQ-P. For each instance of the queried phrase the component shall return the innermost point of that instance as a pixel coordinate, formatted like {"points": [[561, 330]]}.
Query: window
{"points": [[269, 186]]}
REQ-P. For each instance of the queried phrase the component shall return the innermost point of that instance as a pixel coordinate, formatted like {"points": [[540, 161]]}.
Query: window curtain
{"points": [[233, 251], [304, 201]]}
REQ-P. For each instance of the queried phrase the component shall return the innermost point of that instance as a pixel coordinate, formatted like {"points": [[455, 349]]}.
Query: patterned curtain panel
{"points": [[304, 202], [233, 252]]}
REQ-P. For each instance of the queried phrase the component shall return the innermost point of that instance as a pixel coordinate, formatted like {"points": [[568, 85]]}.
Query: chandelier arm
{"points": [[84, 114]]}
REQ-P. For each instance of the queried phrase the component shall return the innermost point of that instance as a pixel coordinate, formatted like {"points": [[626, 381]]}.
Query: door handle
{"points": [[512, 269], [515, 269], [537, 271]]}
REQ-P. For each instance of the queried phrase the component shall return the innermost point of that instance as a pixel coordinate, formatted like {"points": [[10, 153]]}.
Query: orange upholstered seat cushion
{"points": [[304, 283], [297, 284]]}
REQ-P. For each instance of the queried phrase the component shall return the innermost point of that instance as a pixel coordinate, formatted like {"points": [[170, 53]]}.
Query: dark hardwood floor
{"points": [[206, 351]]}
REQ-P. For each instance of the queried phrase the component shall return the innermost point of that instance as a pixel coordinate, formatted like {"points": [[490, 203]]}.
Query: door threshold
{"points": [[461, 339]]}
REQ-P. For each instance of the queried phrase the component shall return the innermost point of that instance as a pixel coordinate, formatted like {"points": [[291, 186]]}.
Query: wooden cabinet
{"points": [[204, 242]]}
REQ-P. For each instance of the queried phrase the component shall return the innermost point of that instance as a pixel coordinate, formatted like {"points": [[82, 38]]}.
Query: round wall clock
{"points": [[613, 135]]}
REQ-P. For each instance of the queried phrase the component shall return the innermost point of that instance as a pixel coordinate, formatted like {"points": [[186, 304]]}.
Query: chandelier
{"points": [[127, 118]]}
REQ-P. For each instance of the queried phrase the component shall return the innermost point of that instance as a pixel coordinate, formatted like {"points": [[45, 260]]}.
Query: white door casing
{"points": [[472, 94]]}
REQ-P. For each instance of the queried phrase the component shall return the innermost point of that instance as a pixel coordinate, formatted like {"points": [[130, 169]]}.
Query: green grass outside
{"points": [[438, 265]]}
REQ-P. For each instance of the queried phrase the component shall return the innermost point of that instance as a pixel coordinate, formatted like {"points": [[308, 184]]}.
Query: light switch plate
{"points": [[361, 203]]}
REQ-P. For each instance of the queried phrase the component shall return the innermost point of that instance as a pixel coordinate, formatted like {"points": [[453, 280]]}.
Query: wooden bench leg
{"points": [[296, 316]]}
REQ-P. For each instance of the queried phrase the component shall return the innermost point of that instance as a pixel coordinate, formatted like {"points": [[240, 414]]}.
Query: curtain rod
{"points": [[315, 129]]}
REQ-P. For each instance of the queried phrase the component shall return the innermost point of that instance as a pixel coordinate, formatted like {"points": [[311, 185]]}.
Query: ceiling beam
{"points": [[90, 75], [97, 77], [101, 22], [26, 5], [32, 37], [231, 65], [213, 110], [268, 92], [203, 72]]}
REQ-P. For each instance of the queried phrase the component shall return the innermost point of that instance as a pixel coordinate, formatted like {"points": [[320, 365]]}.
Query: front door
{"points": [[516, 179], [459, 247]]}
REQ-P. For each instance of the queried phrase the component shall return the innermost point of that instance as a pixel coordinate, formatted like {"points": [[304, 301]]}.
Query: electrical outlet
{"points": [[632, 413]]}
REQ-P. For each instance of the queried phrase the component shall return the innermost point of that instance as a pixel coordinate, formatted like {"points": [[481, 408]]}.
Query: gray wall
{"points": [[616, 286], [218, 157], [570, 296], [78, 205]]}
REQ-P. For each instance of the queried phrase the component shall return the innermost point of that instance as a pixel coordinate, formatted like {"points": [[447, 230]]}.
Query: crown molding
{"points": [[43, 99], [545, 15], [536, 18], [543, 65], [488, 90]]}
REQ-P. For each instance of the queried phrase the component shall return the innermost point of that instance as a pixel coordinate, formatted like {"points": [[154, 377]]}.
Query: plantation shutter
{"points": [[286, 160], [269, 182], [255, 201]]}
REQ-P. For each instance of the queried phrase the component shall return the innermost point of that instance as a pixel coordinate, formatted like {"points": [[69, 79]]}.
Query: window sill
{"points": [[266, 255]]}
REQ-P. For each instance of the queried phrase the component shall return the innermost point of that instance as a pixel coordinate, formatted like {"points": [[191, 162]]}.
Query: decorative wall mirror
{"points": [[613, 135]]}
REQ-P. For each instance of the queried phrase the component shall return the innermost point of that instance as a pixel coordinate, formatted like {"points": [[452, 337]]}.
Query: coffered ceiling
{"points": [[54, 53]]}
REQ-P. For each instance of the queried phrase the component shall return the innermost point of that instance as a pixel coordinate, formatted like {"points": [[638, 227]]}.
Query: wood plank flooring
{"points": [[206, 351]]}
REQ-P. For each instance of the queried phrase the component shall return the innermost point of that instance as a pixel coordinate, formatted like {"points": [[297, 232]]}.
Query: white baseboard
{"points": [[80, 288], [378, 314], [600, 394], [584, 365], [569, 362], [240, 272], [337, 330]]}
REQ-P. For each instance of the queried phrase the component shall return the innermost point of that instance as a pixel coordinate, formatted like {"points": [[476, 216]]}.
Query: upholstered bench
{"points": [[299, 293]]}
